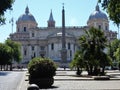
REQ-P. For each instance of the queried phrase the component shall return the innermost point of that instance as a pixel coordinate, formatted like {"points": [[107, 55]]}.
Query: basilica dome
{"points": [[27, 16], [97, 14]]}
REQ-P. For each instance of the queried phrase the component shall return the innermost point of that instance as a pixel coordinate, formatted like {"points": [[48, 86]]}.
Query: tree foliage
{"points": [[113, 47], [117, 54], [78, 62], [15, 46], [5, 54], [4, 5], [113, 9], [117, 57]]}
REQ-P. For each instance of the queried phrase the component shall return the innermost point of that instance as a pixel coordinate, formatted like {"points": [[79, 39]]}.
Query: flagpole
{"points": [[12, 23]]}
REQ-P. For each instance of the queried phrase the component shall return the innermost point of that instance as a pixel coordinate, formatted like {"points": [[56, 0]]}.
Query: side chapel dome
{"points": [[98, 19], [27, 16], [97, 14]]}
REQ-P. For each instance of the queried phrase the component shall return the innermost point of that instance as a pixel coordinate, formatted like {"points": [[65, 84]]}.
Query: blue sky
{"points": [[77, 13]]}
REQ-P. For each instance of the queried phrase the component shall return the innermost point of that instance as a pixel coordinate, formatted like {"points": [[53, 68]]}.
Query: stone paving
{"points": [[10, 80], [89, 85], [66, 80]]}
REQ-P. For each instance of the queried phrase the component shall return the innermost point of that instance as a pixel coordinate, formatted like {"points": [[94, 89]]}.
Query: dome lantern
{"points": [[27, 10], [97, 8]]}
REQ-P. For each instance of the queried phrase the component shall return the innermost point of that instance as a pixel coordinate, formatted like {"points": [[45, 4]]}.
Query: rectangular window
{"points": [[69, 46], [33, 34], [52, 46], [70, 53], [18, 29], [42, 48], [34, 55], [24, 29], [74, 47], [32, 48], [99, 26], [25, 52], [106, 28]]}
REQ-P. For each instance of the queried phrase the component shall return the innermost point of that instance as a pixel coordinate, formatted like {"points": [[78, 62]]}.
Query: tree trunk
{"points": [[88, 69], [96, 71], [78, 71], [4, 67], [1, 67], [10, 67], [7, 67], [91, 70], [103, 70], [119, 66]]}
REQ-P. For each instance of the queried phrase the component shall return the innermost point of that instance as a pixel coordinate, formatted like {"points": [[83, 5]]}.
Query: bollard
{"points": [[33, 87]]}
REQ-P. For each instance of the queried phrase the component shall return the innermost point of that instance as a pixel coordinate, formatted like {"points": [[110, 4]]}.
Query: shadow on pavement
{"points": [[52, 87], [4, 73]]}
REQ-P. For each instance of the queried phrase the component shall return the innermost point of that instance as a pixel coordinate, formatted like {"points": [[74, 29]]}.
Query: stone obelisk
{"points": [[63, 51]]}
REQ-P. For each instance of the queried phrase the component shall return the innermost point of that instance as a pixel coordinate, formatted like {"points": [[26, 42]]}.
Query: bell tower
{"points": [[51, 21]]}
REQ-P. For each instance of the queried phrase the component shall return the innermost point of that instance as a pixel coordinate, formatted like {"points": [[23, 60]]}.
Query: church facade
{"points": [[46, 41]]}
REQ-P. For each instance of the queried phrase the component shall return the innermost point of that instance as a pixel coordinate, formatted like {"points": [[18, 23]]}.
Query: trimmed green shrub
{"points": [[41, 72], [41, 68]]}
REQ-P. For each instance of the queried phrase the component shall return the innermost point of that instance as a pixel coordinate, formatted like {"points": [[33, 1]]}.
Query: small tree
{"points": [[5, 55], [9, 52], [93, 44]]}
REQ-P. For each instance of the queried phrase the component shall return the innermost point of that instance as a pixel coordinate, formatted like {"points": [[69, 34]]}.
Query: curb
{"points": [[84, 79]]}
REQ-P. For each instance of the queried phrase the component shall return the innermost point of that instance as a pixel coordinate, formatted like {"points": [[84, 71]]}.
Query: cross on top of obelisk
{"points": [[63, 5]]}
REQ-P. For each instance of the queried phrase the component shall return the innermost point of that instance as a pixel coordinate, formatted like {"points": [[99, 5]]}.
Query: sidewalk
{"points": [[65, 80], [24, 82]]}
